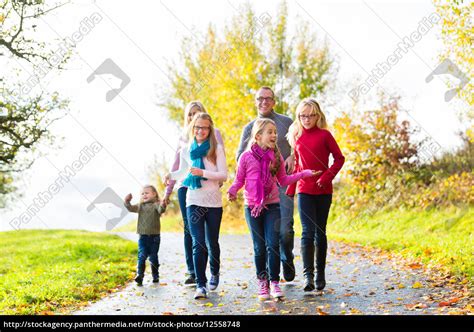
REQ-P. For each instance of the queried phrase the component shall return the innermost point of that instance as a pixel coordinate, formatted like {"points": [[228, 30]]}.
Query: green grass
{"points": [[439, 236], [55, 271]]}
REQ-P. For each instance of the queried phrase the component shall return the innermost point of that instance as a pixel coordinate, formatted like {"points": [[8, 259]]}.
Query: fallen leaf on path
{"points": [[322, 313], [417, 285], [416, 306], [448, 303], [355, 311]]}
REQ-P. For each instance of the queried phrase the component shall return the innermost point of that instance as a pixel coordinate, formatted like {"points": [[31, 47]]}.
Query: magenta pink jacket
{"points": [[248, 174]]}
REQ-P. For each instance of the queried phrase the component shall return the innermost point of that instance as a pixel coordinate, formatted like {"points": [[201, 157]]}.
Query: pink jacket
{"points": [[248, 173]]}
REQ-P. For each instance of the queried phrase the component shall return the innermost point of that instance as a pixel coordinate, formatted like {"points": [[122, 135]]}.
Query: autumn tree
{"points": [[225, 71], [25, 116], [381, 154], [457, 36]]}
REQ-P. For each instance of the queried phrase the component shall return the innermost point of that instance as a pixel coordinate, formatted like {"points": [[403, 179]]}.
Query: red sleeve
{"points": [[339, 159]]}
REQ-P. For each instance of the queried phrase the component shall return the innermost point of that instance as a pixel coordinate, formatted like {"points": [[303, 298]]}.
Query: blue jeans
{"points": [[265, 231], [188, 240], [148, 246], [287, 234], [205, 224], [314, 211]]}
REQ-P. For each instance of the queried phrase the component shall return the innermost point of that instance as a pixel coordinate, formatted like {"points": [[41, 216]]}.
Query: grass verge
{"points": [[55, 271]]}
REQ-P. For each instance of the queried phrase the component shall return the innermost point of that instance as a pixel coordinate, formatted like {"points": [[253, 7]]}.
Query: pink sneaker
{"points": [[263, 291], [275, 290]]}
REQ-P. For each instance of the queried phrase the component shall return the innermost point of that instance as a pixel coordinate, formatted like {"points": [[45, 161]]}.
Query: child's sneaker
{"points": [[190, 280], [275, 290], [139, 280], [156, 280], [201, 293], [263, 291], [214, 282]]}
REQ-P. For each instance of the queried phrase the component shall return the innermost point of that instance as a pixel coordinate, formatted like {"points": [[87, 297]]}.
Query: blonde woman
{"points": [[202, 167], [312, 144], [260, 169], [190, 110]]}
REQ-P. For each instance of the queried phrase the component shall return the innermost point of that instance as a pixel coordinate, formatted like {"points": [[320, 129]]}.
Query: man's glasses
{"points": [[262, 99], [306, 117]]}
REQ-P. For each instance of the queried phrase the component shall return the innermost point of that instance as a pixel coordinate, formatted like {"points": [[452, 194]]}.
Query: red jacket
{"points": [[312, 151]]}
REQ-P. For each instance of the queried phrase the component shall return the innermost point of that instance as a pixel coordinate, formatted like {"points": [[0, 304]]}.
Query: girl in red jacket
{"points": [[312, 144]]}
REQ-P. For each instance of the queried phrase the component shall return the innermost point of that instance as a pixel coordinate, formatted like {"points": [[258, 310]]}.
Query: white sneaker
{"points": [[201, 293], [275, 290]]}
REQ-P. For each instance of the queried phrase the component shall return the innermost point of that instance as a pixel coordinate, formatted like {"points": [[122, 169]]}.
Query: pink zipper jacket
{"points": [[248, 174]]}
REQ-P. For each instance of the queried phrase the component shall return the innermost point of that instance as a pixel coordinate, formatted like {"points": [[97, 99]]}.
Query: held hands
{"points": [[196, 171], [290, 164], [319, 182], [166, 201], [313, 173], [231, 197], [166, 179], [128, 198]]}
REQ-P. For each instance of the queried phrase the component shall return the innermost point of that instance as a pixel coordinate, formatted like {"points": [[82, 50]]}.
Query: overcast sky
{"points": [[141, 37]]}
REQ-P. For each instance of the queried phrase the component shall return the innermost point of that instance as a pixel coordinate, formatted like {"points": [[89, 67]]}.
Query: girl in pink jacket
{"points": [[259, 169]]}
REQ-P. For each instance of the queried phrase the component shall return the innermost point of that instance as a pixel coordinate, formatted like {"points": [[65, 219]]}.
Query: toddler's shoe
{"points": [[139, 280]]}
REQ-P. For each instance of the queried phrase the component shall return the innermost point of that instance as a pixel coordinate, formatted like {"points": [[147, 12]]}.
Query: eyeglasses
{"points": [[306, 117], [262, 99], [197, 128]]}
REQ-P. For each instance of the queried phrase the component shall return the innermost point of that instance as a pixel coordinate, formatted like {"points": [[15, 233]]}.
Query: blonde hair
{"points": [[257, 129], [296, 129], [212, 153], [189, 107], [152, 189]]}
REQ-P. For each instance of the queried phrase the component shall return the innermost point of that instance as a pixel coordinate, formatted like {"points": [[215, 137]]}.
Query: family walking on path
{"points": [[277, 158]]}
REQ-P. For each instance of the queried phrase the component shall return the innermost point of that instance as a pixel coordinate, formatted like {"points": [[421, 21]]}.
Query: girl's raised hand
{"points": [[128, 198], [196, 171], [231, 197]]}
